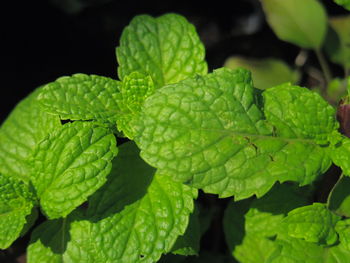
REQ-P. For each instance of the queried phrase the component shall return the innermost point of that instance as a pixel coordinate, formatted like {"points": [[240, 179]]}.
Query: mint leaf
{"points": [[143, 224], [303, 23], [313, 223], [254, 249], [210, 132], [293, 250], [303, 114], [70, 165], [250, 224], [23, 129], [340, 154], [135, 88], [188, 244], [167, 48], [16, 203], [266, 72], [82, 97], [62, 240], [339, 198], [132, 222], [266, 214]]}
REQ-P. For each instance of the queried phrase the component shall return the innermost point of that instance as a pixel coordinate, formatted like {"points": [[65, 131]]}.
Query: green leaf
{"points": [[339, 198], [82, 97], [210, 132], [70, 165], [23, 129], [254, 249], [135, 217], [188, 244], [266, 214], [16, 204], [147, 214], [301, 22], [343, 230], [299, 113], [167, 48], [266, 73], [62, 240], [135, 88], [344, 3], [249, 224], [313, 223], [340, 154], [293, 250], [337, 43]]}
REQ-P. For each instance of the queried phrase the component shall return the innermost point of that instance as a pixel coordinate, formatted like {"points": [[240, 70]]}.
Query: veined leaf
{"points": [[313, 223], [20, 133], [135, 88], [16, 203], [301, 22], [135, 217], [82, 97], [167, 48], [211, 133], [70, 165]]}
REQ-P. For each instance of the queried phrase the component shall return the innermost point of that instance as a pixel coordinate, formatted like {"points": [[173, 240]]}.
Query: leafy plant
{"points": [[181, 129]]}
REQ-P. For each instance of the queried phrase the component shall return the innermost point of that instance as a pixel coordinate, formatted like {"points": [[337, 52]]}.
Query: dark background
{"points": [[46, 39]]}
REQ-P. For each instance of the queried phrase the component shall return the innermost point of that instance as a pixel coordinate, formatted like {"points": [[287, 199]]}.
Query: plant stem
{"points": [[324, 66]]}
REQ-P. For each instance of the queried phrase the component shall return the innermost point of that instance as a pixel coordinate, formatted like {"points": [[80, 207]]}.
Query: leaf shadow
{"points": [[127, 183]]}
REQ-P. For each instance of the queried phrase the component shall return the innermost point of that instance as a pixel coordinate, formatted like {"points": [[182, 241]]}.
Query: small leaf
{"points": [[301, 22], [344, 3], [337, 43], [167, 48], [82, 97], [314, 223], [20, 133], [267, 72], [70, 165], [211, 133], [339, 199], [16, 203], [135, 88]]}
